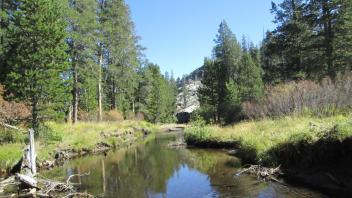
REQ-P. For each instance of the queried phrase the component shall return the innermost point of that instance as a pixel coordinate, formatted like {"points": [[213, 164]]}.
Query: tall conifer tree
{"points": [[39, 61]]}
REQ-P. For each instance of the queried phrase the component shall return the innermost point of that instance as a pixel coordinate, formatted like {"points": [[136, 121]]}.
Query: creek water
{"points": [[155, 170]]}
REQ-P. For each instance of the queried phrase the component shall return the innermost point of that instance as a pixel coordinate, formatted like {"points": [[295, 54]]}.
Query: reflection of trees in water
{"points": [[220, 169], [134, 172], [146, 169]]}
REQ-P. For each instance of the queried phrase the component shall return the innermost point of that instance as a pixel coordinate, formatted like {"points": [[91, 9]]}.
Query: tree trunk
{"points": [[328, 38], [1, 22], [32, 154], [75, 95], [100, 102], [133, 107], [69, 115], [35, 121], [113, 95]]}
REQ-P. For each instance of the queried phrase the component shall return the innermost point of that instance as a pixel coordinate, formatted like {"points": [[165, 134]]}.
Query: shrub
{"points": [[12, 112], [12, 136], [48, 134], [325, 98], [113, 115], [140, 116]]}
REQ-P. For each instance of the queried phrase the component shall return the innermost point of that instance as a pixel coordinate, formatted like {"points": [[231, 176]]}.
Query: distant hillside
{"points": [[187, 99]]}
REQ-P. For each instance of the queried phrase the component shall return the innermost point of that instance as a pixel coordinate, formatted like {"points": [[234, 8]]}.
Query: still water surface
{"points": [[154, 170]]}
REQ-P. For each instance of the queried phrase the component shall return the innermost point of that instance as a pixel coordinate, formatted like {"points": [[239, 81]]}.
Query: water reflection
{"points": [[153, 170]]}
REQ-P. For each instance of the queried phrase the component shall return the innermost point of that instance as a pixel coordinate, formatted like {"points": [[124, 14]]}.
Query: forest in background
{"points": [[77, 60], [81, 60], [302, 66]]}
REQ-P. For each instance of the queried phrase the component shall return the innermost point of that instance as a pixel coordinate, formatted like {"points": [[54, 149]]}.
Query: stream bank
{"points": [[62, 142], [312, 152], [156, 169]]}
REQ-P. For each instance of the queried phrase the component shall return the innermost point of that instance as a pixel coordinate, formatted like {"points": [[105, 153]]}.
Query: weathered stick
{"points": [[32, 153], [11, 127]]}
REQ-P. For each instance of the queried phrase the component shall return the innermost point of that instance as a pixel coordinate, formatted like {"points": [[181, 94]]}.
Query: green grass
{"points": [[276, 141], [10, 153], [82, 135]]}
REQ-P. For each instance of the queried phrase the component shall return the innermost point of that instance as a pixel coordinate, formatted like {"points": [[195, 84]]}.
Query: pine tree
{"points": [[344, 36], [291, 37], [226, 53], [39, 58], [6, 8], [81, 41], [271, 60], [208, 93], [249, 84], [255, 53], [122, 56]]}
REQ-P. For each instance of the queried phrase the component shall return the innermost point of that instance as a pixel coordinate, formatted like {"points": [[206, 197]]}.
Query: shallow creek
{"points": [[155, 170]]}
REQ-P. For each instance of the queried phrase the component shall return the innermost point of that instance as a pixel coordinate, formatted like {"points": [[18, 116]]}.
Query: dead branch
{"points": [[12, 127], [75, 175]]}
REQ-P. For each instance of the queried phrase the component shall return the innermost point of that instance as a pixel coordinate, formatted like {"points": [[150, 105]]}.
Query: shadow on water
{"points": [[154, 170]]}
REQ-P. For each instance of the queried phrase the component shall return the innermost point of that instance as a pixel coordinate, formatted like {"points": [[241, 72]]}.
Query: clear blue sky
{"points": [[178, 34]]}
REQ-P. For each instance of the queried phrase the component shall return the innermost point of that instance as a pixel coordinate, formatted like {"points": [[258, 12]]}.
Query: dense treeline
{"points": [[231, 76], [77, 59], [312, 41]]}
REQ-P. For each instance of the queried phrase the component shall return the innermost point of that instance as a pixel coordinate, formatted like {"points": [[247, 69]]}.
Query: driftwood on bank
{"points": [[26, 182], [262, 172]]}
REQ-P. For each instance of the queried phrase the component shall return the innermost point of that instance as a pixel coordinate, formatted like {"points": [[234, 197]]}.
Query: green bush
{"points": [[48, 134], [12, 136]]}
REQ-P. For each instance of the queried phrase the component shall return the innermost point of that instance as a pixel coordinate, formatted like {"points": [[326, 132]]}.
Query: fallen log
{"points": [[26, 181]]}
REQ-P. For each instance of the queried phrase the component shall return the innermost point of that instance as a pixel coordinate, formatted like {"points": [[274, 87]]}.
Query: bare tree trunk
{"points": [[69, 115], [100, 112], [133, 107], [32, 154], [75, 95], [113, 95]]}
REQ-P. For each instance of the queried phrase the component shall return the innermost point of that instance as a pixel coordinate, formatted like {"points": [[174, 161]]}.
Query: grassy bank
{"points": [[289, 141], [81, 136]]}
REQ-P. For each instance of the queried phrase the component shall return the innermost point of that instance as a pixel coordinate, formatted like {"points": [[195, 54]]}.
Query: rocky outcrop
{"points": [[187, 99]]}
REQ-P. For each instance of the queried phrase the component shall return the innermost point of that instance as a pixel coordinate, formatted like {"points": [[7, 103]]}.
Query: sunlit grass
{"points": [[82, 135], [259, 139], [10, 153]]}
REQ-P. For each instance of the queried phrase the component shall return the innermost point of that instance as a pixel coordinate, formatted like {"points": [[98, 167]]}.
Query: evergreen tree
{"points": [[255, 53], [226, 53], [156, 95], [38, 63], [249, 84], [208, 93], [230, 78], [291, 37], [122, 55], [81, 41], [343, 52], [6, 8], [271, 60]]}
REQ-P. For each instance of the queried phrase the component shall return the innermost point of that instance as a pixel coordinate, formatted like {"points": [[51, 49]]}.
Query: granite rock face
{"points": [[187, 99]]}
